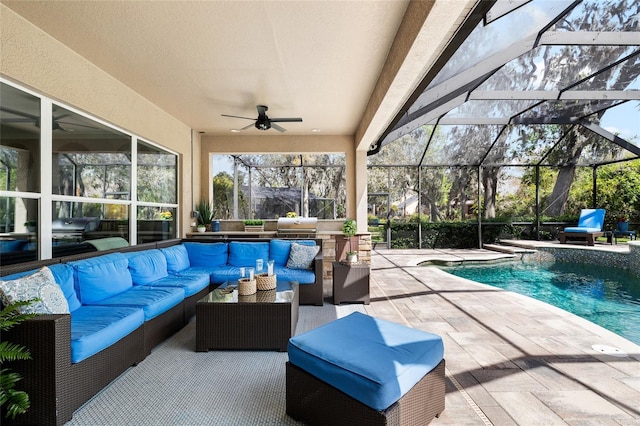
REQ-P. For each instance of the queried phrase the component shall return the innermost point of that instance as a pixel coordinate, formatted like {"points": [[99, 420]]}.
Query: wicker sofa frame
{"points": [[317, 403], [56, 387]]}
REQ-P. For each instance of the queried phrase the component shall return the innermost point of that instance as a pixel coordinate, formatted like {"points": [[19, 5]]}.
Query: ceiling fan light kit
{"points": [[263, 122]]}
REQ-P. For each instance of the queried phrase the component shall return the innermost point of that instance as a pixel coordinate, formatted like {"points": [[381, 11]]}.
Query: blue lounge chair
{"points": [[589, 226]]}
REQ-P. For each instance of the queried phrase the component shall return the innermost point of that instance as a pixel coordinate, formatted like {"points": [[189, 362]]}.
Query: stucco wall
{"points": [[32, 58]]}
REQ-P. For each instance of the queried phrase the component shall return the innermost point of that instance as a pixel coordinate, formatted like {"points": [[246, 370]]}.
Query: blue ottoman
{"points": [[364, 370]]}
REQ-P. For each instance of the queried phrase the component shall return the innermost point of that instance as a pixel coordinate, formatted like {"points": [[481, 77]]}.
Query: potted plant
{"points": [[253, 225], [205, 215], [349, 229], [16, 401], [31, 226], [623, 223]]}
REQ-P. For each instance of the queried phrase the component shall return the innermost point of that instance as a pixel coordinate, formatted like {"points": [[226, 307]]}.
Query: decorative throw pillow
{"points": [[301, 256], [39, 285]]}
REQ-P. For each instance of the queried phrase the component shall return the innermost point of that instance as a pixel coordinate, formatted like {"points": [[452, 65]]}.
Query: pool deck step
{"points": [[507, 249]]}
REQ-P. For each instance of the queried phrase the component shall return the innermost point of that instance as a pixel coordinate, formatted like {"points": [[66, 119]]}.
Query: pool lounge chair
{"points": [[589, 227]]}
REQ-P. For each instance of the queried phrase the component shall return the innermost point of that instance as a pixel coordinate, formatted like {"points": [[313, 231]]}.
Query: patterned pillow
{"points": [[301, 257], [39, 285]]}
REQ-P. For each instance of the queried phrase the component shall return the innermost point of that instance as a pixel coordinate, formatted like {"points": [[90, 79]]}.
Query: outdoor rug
{"points": [[175, 385]]}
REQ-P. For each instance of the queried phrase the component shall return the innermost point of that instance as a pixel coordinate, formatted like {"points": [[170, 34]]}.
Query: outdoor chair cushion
{"points": [[94, 328], [102, 277], [153, 300], [301, 256], [191, 284], [591, 220], [177, 258], [302, 276], [384, 360], [246, 253], [147, 266], [39, 285], [63, 275], [207, 254], [279, 249]]}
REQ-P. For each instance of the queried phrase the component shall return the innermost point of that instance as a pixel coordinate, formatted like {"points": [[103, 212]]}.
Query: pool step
{"points": [[507, 249]]}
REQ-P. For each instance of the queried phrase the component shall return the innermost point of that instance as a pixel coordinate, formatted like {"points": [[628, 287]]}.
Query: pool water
{"points": [[607, 297]]}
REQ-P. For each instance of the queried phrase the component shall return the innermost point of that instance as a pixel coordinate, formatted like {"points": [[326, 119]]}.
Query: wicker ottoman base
{"points": [[318, 403]]}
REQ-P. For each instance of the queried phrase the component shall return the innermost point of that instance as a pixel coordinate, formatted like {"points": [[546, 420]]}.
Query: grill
{"points": [[297, 226], [74, 228]]}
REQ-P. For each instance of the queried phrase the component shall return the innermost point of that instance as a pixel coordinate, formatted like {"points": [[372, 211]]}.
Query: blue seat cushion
{"points": [[191, 284], [246, 253], [225, 273], [372, 360], [207, 254], [302, 276], [147, 266], [94, 328], [279, 249], [578, 229], [177, 258], [153, 301]]}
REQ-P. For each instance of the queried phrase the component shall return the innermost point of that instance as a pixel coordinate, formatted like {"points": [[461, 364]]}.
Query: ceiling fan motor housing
{"points": [[263, 124]]}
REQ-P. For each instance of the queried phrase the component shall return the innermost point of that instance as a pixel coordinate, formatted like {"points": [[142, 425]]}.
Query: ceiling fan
{"points": [[263, 122]]}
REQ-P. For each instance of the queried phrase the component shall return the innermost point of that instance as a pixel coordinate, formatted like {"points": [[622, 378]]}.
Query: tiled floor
{"points": [[510, 359]]}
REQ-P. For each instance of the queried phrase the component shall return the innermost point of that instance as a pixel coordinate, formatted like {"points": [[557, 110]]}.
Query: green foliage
{"points": [[205, 212], [349, 228], [16, 401], [253, 222]]}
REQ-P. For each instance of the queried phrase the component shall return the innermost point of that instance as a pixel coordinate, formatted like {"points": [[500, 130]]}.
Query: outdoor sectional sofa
{"points": [[122, 304]]}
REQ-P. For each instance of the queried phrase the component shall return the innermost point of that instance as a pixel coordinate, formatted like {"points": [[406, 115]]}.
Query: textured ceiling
{"points": [[317, 60]]}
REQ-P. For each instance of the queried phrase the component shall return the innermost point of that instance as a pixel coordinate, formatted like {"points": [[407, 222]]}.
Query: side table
{"points": [[631, 234], [350, 283]]}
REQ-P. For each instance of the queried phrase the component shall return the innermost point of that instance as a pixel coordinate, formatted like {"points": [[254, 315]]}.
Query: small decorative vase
{"points": [[623, 226], [201, 228], [215, 226]]}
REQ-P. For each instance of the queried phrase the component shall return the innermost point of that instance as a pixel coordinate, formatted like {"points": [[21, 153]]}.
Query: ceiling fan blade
{"points": [[246, 127], [278, 128], [66, 123], [19, 113], [237, 116], [286, 120], [16, 120]]}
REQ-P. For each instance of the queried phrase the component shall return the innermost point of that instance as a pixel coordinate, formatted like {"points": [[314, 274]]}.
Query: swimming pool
{"points": [[607, 297]]}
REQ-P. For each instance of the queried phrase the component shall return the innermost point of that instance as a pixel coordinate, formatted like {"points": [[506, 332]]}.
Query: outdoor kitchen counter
{"points": [[223, 235]]}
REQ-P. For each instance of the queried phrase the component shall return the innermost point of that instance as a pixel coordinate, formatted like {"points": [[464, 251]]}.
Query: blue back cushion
{"points": [[207, 254], [279, 249], [591, 218], [245, 254], [147, 266], [102, 277], [177, 258], [64, 277]]}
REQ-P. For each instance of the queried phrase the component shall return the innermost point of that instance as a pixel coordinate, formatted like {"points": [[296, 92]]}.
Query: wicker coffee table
{"points": [[261, 321]]}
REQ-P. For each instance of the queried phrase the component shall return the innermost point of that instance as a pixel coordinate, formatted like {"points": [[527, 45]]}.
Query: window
{"points": [[270, 186]]}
